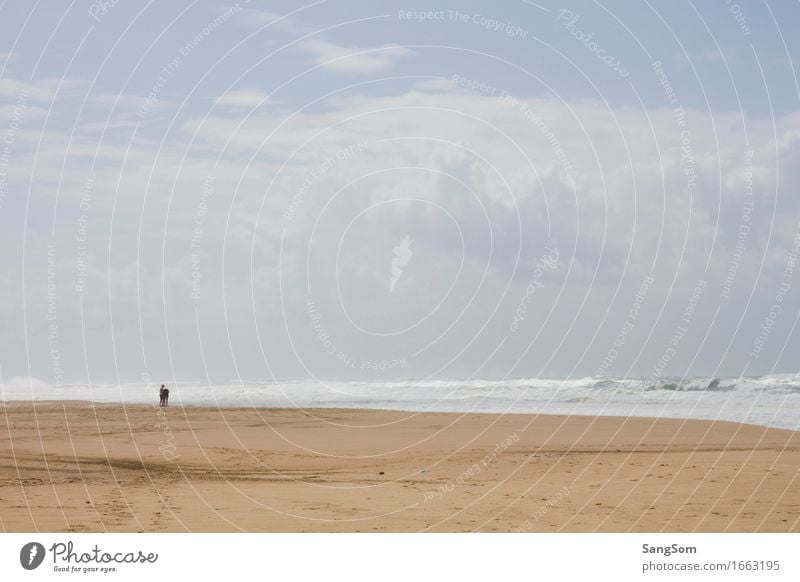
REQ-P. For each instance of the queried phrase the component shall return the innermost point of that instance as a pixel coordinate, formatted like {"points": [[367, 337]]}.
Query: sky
{"points": [[265, 190]]}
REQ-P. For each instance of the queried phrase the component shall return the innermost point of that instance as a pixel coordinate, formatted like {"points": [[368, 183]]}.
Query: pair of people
{"points": [[163, 395]]}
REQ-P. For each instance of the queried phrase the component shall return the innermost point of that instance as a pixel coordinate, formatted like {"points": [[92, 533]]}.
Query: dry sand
{"points": [[93, 467]]}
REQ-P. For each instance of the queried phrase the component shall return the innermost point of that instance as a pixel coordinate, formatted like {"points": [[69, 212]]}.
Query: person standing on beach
{"points": [[162, 397], [166, 396]]}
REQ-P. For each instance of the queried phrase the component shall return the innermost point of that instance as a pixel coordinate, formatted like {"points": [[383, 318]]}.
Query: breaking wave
{"points": [[772, 400]]}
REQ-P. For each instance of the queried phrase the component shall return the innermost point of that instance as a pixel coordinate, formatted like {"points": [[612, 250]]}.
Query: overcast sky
{"points": [[354, 190]]}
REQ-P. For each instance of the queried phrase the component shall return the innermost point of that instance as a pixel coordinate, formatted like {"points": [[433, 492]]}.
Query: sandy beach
{"points": [[81, 467]]}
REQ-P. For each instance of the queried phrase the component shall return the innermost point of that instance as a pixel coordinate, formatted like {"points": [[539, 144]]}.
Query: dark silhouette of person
{"points": [[162, 396], [166, 396]]}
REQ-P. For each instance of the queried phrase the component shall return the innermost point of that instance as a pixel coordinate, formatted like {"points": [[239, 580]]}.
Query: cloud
{"points": [[311, 203], [118, 101], [249, 97], [597, 178], [6, 58], [353, 60], [43, 90], [256, 18]]}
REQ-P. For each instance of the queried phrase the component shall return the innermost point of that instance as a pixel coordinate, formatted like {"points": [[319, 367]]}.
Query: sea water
{"points": [[772, 400]]}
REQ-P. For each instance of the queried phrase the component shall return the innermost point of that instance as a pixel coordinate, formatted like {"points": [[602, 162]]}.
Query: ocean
{"points": [[772, 400]]}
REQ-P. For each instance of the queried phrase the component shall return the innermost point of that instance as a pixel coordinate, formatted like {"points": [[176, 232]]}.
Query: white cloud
{"points": [[42, 90], [628, 181], [248, 97], [353, 60], [118, 101], [461, 173], [257, 18], [7, 57]]}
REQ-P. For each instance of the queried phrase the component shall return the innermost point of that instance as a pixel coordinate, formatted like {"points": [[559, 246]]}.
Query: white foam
{"points": [[767, 400]]}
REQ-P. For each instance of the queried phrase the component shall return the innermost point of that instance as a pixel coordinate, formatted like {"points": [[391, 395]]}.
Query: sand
{"points": [[80, 467]]}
